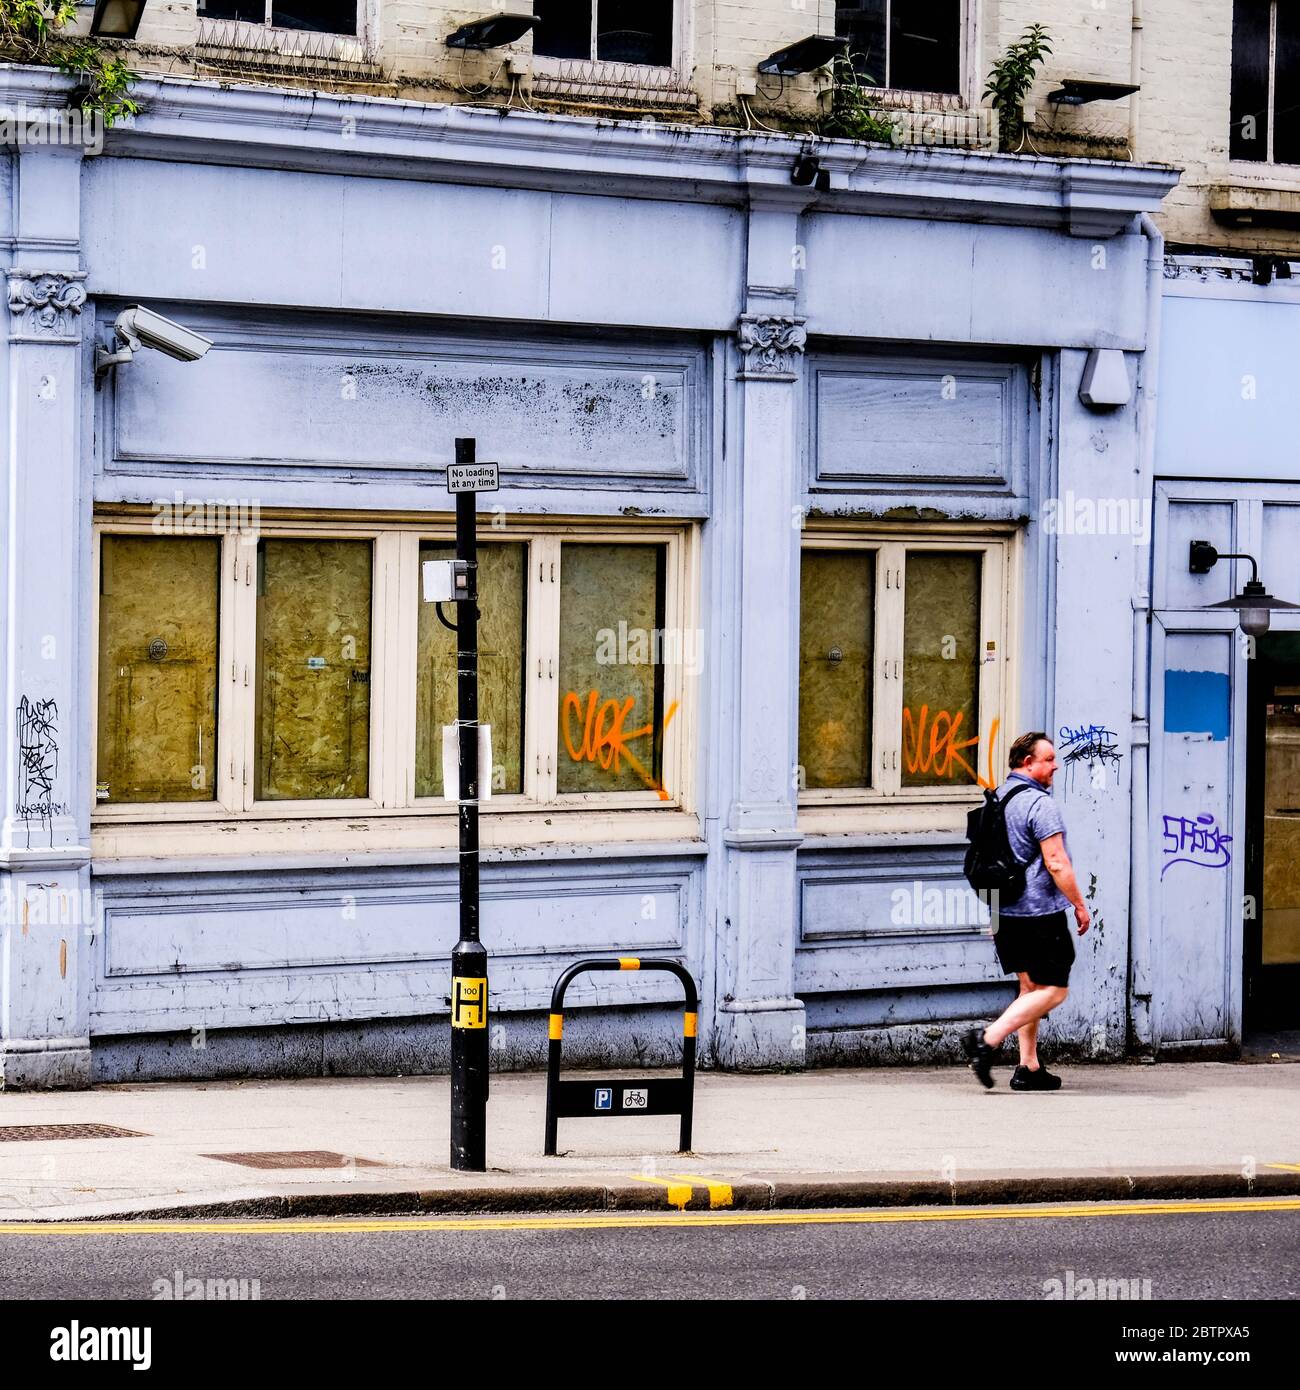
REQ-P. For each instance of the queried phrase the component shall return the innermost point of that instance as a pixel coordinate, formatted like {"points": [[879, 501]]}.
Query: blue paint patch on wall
{"points": [[1197, 702]]}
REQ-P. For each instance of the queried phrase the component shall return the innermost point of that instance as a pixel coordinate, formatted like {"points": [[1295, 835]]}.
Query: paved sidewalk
{"points": [[820, 1138]]}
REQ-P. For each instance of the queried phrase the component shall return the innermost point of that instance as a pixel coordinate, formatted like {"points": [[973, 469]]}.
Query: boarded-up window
{"points": [[836, 633], [611, 673], [157, 669], [941, 662], [313, 669], [501, 584]]}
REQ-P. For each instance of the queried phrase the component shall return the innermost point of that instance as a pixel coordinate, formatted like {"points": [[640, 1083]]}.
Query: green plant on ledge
{"points": [[32, 31], [855, 114], [1010, 80]]}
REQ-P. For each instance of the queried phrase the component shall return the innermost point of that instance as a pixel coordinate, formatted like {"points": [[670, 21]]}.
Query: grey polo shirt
{"points": [[1032, 817]]}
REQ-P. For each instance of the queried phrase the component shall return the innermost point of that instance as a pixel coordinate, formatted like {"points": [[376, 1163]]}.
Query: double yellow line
{"points": [[577, 1221]]}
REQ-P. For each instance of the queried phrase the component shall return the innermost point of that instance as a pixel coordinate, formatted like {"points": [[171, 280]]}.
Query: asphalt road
{"points": [[1192, 1250]]}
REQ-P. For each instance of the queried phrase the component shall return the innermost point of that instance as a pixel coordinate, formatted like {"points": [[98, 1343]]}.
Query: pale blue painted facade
{"points": [[1227, 471], [458, 246]]}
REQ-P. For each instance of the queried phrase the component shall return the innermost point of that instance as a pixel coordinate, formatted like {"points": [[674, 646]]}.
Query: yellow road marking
{"points": [[678, 1193], [720, 1194], [623, 1220], [1290, 1167]]}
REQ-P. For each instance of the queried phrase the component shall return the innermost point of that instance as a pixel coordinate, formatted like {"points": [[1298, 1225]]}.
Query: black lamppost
{"points": [[1255, 604]]}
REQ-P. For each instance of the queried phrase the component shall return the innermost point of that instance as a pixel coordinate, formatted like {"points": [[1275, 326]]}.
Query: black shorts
{"points": [[1040, 947]]}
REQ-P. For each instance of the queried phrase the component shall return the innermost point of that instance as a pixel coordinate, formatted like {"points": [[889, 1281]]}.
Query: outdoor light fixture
{"points": [[807, 170], [137, 327], [1075, 92], [492, 31], [805, 56], [1254, 603], [117, 19]]}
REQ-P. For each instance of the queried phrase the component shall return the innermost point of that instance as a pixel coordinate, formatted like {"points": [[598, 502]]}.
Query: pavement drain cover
{"points": [[295, 1158], [18, 1133]]}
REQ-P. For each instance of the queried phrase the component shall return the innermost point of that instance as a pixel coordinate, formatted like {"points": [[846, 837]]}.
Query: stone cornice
{"points": [[292, 129]]}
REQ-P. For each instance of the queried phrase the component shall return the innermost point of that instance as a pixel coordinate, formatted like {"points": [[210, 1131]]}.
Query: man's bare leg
{"points": [[1032, 1005], [1028, 1035]]}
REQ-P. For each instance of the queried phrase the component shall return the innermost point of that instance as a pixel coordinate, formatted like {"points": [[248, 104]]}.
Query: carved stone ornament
{"points": [[771, 345], [46, 304]]}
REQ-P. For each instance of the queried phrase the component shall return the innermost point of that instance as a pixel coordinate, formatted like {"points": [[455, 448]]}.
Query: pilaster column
{"points": [[46, 922], [760, 1022]]}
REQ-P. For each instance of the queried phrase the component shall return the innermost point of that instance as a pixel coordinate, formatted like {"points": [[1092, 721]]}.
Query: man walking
{"points": [[1032, 935]]}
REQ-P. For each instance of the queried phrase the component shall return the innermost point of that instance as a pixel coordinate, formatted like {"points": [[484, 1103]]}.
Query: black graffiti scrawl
{"points": [[38, 760]]}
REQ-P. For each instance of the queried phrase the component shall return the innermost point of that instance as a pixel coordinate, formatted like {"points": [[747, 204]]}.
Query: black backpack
{"points": [[990, 862]]}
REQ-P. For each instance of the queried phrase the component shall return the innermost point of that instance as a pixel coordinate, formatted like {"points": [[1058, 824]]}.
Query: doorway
{"points": [[1271, 977]]}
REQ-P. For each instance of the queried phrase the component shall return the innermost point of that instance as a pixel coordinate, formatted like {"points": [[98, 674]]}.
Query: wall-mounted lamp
{"points": [[1254, 603], [805, 56], [492, 31], [807, 170], [117, 19]]}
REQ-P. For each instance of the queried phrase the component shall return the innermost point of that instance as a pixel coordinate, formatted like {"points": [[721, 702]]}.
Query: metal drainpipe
{"points": [[1142, 1007]]}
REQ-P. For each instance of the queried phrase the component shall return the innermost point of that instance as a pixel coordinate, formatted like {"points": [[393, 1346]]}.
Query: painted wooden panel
{"points": [[181, 959], [1194, 847], [960, 282], [1187, 520], [880, 920], [236, 235], [1280, 561], [1228, 405], [921, 423], [312, 400]]}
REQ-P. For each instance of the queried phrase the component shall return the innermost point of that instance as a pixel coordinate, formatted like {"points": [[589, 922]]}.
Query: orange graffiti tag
{"points": [[943, 748], [605, 738]]}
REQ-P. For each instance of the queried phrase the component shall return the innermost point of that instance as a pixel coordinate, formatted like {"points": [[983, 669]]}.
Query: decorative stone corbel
{"points": [[45, 304], [771, 345]]}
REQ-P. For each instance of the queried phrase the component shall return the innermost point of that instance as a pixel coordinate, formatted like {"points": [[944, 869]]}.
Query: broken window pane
{"points": [[941, 662], [157, 669], [635, 31], [612, 718], [313, 669], [837, 597], [501, 580], [1248, 132], [322, 16], [319, 16], [911, 45], [564, 28]]}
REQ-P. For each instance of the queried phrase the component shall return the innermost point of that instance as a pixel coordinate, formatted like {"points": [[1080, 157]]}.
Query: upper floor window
{"points": [[320, 16], [1265, 82], [612, 31], [910, 45]]}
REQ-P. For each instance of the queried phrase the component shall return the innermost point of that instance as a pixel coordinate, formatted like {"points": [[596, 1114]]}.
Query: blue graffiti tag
{"points": [[1198, 841]]}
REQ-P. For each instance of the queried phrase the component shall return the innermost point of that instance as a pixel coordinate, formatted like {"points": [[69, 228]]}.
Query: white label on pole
{"points": [[636, 1099], [451, 762], [472, 477]]}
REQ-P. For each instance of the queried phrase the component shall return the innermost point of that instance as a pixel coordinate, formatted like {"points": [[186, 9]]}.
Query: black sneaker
{"points": [[981, 1056], [1022, 1079]]}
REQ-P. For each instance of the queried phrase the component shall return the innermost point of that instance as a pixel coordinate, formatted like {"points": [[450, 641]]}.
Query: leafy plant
{"points": [[32, 31], [854, 113], [1010, 80]]}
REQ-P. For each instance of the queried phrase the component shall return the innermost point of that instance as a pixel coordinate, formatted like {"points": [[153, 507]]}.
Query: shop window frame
{"points": [[999, 549], [395, 594]]}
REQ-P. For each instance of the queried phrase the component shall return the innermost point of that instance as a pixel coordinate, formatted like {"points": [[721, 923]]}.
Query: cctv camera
{"points": [[140, 327]]}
